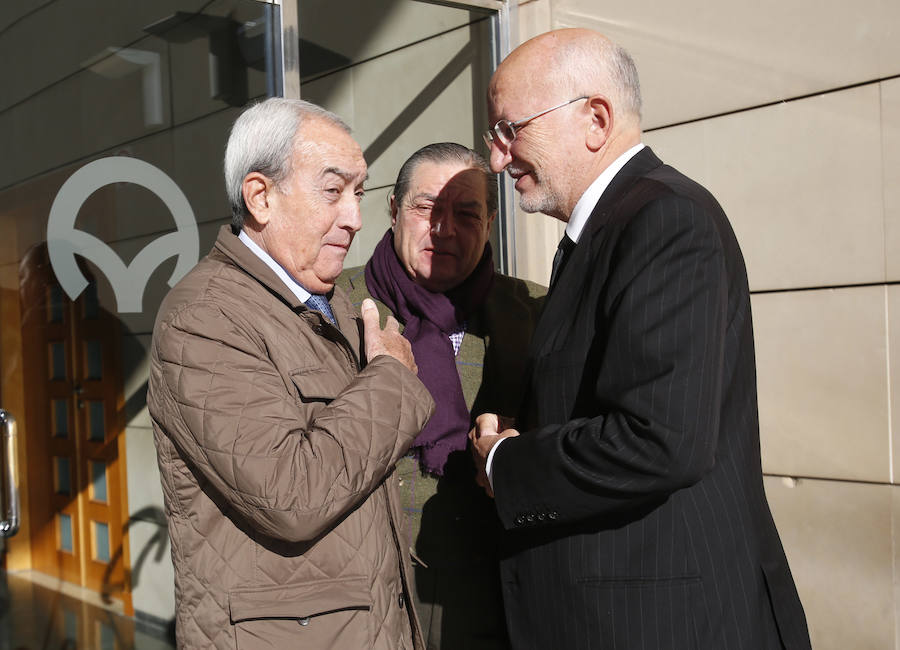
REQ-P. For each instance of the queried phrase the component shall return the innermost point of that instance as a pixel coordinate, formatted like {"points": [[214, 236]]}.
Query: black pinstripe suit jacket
{"points": [[633, 500]]}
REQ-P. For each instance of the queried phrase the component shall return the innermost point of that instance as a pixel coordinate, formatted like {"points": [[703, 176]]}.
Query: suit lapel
{"points": [[639, 166], [561, 306]]}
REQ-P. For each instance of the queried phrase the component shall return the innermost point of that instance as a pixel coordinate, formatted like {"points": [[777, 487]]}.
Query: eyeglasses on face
{"points": [[504, 131]]}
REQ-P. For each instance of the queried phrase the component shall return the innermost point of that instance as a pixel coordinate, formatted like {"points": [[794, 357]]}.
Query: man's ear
{"points": [[601, 126], [256, 189], [394, 207]]}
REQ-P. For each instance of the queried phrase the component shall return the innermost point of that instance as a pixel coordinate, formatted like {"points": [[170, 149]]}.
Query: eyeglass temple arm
{"points": [[544, 112]]}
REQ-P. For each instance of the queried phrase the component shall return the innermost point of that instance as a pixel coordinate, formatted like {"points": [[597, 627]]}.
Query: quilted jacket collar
{"points": [[232, 247]]}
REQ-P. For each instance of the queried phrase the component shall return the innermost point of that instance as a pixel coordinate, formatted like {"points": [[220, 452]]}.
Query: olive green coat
{"points": [[450, 523]]}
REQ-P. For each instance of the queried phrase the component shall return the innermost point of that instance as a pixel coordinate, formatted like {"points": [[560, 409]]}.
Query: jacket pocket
{"points": [[318, 383], [664, 613], [315, 614]]}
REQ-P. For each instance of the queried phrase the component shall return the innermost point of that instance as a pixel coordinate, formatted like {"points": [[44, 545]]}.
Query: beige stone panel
{"points": [[838, 540], [537, 237], [890, 129], [801, 183], [698, 59], [822, 381], [895, 528], [893, 325], [535, 17]]}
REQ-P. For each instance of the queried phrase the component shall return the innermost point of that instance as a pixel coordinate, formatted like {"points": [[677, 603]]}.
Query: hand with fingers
{"points": [[387, 341], [483, 437]]}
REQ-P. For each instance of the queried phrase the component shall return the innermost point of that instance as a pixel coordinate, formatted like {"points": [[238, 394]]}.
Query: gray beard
{"points": [[547, 202]]}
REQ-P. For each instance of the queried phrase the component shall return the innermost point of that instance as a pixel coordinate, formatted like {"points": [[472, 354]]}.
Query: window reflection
{"points": [[96, 424], [57, 360], [60, 418], [94, 357], [98, 480], [62, 475], [90, 304], [65, 532], [55, 308], [101, 541]]}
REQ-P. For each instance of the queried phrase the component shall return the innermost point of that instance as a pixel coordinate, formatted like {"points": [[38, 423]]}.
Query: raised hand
{"points": [[387, 341]]}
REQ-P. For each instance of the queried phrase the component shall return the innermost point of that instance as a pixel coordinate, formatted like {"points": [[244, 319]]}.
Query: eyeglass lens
{"points": [[502, 131]]}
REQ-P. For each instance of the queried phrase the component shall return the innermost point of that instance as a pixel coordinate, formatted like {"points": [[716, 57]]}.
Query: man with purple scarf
{"points": [[468, 327]]}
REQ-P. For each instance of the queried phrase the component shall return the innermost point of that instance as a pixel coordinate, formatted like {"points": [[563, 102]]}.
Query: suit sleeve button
{"points": [[553, 515]]}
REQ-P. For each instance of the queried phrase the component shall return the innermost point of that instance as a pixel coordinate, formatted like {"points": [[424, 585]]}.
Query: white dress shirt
{"points": [[577, 221]]}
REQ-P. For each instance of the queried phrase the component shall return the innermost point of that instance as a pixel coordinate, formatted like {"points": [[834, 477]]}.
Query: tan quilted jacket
{"points": [[274, 448]]}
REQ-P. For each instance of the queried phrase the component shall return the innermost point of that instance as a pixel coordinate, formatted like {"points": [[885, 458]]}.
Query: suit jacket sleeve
{"points": [[649, 392]]}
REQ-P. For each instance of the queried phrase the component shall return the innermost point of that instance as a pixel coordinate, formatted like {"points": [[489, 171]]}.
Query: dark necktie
{"points": [[565, 247], [320, 304]]}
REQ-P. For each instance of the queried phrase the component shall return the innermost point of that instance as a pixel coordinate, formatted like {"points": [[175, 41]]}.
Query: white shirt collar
{"points": [[301, 293], [592, 194]]}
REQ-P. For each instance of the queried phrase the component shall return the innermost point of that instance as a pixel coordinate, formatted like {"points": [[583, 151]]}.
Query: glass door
{"points": [[113, 121], [403, 74]]}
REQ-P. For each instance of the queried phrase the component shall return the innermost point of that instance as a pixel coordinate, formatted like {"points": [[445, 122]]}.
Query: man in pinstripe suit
{"points": [[631, 488]]}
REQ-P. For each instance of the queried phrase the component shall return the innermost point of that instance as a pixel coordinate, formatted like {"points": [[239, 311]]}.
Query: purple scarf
{"points": [[429, 318]]}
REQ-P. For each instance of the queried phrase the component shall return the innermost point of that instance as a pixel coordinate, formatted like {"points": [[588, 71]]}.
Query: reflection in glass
{"points": [[98, 480], [107, 636], [55, 309], [70, 624], [57, 360], [60, 418], [94, 354], [90, 303], [96, 425], [65, 533], [62, 475], [101, 542]]}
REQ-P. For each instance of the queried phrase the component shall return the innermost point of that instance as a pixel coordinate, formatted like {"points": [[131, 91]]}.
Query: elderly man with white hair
{"points": [[276, 425]]}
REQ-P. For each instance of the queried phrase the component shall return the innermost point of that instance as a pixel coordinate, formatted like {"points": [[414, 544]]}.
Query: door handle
{"points": [[9, 526]]}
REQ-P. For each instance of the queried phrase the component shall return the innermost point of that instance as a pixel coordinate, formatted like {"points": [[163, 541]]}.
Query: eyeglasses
{"points": [[505, 131]]}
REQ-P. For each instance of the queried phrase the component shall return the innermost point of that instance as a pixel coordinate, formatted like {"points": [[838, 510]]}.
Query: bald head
{"points": [[601, 120], [575, 62]]}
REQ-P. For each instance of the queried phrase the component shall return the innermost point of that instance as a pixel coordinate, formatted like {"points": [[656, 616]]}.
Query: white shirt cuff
{"points": [[490, 461]]}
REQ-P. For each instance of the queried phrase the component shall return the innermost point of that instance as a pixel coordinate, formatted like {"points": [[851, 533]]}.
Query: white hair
{"points": [[599, 65], [263, 140]]}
